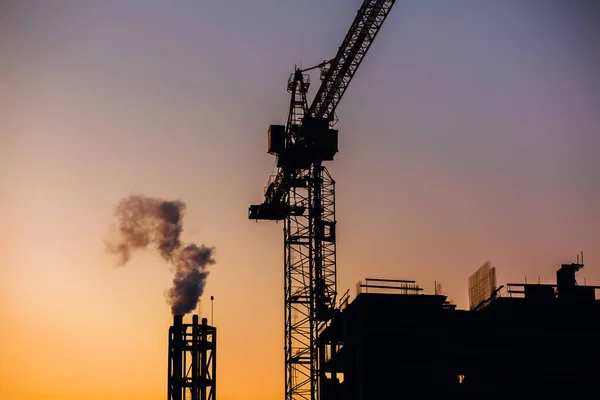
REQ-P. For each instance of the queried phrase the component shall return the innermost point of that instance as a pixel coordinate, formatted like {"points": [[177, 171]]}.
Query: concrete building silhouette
{"points": [[525, 340]]}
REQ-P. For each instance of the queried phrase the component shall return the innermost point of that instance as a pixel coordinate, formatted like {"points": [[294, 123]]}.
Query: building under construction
{"points": [[522, 340]]}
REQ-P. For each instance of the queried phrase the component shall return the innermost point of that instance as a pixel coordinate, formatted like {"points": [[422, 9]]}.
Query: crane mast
{"points": [[302, 194]]}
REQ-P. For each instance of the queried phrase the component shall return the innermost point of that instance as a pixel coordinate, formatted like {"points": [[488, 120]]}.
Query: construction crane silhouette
{"points": [[302, 194]]}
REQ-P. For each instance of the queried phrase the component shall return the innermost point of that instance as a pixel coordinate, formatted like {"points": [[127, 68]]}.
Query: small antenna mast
{"points": [[212, 298]]}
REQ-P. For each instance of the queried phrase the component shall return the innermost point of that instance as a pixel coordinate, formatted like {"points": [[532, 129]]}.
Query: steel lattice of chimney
{"points": [[192, 360]]}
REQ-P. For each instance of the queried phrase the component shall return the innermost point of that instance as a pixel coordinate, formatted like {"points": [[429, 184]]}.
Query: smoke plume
{"points": [[143, 222]]}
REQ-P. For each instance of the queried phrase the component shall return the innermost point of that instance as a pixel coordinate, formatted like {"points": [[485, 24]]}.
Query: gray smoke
{"points": [[145, 221]]}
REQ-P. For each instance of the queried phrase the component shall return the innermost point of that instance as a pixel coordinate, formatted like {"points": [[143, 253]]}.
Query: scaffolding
{"points": [[482, 285], [395, 286]]}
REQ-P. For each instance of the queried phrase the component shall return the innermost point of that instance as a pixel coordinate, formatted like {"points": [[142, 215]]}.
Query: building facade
{"points": [[533, 341]]}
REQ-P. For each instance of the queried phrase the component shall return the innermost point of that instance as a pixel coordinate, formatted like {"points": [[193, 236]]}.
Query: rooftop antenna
{"points": [[212, 298]]}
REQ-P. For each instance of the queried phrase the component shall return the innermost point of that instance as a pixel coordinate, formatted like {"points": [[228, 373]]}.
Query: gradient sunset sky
{"points": [[471, 132]]}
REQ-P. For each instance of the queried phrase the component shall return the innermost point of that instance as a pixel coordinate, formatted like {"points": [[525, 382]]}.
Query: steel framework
{"points": [[192, 360], [309, 253], [302, 193]]}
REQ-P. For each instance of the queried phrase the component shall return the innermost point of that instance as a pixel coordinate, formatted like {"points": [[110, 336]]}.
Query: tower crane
{"points": [[302, 194]]}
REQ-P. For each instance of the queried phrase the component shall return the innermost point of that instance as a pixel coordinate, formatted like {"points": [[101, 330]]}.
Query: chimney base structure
{"points": [[192, 360]]}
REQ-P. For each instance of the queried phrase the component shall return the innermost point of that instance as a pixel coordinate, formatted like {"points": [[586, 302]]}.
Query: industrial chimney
{"points": [[192, 360]]}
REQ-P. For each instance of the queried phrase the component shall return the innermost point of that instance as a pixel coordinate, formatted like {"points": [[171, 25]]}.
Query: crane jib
{"points": [[361, 34]]}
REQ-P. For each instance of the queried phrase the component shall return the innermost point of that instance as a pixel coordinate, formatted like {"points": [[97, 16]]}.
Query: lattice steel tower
{"points": [[302, 193]]}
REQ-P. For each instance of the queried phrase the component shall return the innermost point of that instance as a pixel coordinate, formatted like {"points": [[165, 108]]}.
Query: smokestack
{"points": [[178, 321], [145, 221], [192, 359], [195, 345], [204, 364], [177, 346]]}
